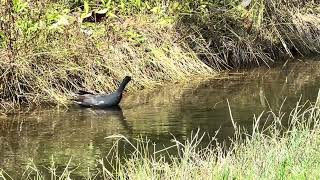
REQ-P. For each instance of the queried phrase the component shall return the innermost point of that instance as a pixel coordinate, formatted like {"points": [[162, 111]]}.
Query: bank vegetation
{"points": [[51, 49]]}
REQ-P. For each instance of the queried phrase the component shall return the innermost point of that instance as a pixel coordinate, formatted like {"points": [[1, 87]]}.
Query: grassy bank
{"points": [[50, 49], [279, 146]]}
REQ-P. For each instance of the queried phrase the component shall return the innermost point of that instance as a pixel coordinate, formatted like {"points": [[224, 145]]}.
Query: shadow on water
{"points": [[176, 110]]}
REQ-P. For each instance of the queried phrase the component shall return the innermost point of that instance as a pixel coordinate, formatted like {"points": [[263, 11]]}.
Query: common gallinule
{"points": [[88, 99]]}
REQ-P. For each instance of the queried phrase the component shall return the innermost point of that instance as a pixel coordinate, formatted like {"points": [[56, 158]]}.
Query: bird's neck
{"points": [[122, 86]]}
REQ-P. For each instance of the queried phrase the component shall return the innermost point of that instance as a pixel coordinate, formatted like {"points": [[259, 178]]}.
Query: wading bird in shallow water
{"points": [[88, 99]]}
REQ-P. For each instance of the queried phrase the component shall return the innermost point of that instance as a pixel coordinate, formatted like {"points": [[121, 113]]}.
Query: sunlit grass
{"points": [[270, 150], [68, 64], [48, 52]]}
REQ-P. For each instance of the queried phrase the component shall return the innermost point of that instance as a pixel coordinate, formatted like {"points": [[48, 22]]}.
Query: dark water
{"points": [[174, 110]]}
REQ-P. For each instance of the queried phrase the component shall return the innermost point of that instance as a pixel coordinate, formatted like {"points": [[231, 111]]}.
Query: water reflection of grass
{"points": [[46, 135], [261, 89], [268, 152]]}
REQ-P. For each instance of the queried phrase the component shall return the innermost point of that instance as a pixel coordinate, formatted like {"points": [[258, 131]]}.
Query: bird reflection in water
{"points": [[105, 114]]}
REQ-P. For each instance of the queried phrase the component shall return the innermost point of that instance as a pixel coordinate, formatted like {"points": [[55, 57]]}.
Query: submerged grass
{"points": [[279, 146]]}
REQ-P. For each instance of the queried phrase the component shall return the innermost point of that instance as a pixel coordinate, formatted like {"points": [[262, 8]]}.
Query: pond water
{"points": [[175, 110]]}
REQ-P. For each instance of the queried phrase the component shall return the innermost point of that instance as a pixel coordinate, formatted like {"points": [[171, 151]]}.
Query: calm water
{"points": [[174, 110]]}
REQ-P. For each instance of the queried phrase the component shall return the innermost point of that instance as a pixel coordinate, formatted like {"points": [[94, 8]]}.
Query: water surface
{"points": [[175, 110]]}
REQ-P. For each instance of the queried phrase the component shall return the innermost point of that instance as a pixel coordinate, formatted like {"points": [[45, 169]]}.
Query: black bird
{"points": [[88, 99]]}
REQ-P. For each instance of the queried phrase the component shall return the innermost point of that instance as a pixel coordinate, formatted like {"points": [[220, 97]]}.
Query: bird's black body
{"points": [[88, 99]]}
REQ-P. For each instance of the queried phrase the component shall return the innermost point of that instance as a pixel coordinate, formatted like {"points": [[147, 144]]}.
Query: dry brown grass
{"points": [[263, 32], [43, 62], [55, 66]]}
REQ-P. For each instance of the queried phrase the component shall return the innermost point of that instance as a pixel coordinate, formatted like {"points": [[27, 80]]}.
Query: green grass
{"points": [[279, 146], [48, 52], [42, 63], [270, 150]]}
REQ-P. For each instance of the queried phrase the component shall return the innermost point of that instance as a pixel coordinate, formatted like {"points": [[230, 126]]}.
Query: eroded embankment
{"points": [[48, 51]]}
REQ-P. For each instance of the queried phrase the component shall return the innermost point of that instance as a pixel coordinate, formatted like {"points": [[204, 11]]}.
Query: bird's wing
{"points": [[86, 100], [82, 92]]}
